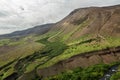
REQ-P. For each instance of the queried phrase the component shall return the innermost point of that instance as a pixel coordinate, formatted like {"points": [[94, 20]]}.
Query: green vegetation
{"points": [[82, 46], [41, 51], [72, 36], [22, 51], [51, 50], [74, 30], [43, 41], [7, 70], [54, 49], [30, 57], [49, 53], [15, 49], [30, 67], [115, 76], [4, 42], [10, 42], [113, 41], [91, 73]]}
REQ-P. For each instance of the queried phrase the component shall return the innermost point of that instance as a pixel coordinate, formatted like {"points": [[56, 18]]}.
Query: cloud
{"points": [[22, 14], [3, 14]]}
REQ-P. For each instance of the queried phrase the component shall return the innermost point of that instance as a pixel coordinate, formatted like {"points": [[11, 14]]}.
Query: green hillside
{"points": [[70, 50]]}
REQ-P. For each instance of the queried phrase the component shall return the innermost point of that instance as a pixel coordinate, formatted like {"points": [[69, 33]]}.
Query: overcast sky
{"points": [[22, 14]]}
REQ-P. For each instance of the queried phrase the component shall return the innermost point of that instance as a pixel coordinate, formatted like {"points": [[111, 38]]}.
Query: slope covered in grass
{"points": [[83, 30]]}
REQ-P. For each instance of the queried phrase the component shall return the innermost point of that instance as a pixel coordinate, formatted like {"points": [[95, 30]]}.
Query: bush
{"points": [[115, 76]]}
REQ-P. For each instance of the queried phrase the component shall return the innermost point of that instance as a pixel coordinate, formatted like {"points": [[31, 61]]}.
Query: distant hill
{"points": [[41, 29]]}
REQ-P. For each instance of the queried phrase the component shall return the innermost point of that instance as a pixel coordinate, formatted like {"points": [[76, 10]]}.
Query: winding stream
{"points": [[111, 71]]}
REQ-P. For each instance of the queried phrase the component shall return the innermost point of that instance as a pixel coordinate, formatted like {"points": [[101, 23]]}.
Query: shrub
{"points": [[115, 76]]}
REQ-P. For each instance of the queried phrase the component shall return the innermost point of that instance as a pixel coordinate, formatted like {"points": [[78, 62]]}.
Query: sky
{"points": [[22, 14]]}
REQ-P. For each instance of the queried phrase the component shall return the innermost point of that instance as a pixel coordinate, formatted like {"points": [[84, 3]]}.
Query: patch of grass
{"points": [[55, 36], [76, 28], [35, 63], [71, 51], [55, 48], [21, 51], [52, 49], [115, 76], [4, 42], [7, 71], [43, 41], [83, 46], [53, 52], [11, 42], [113, 41], [30, 62]]}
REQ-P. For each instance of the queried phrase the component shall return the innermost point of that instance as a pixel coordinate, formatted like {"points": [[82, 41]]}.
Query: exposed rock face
{"points": [[82, 60]]}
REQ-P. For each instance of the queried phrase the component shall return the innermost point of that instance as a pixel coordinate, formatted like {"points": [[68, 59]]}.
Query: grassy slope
{"points": [[78, 45], [26, 47], [22, 48], [21, 51], [75, 47], [29, 45]]}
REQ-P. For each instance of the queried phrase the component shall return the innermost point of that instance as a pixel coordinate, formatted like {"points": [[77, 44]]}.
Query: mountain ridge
{"points": [[37, 30]]}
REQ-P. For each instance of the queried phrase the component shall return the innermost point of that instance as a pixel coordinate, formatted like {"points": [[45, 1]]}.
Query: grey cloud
{"points": [[2, 14]]}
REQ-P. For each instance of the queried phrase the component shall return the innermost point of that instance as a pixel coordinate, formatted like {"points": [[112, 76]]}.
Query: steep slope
{"points": [[32, 31], [85, 30], [94, 21]]}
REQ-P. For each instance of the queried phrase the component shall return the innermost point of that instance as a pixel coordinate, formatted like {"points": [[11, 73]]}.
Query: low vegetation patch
{"points": [[82, 46], [91, 73], [116, 76], [50, 51]]}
